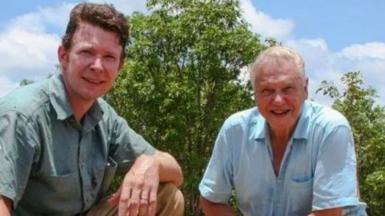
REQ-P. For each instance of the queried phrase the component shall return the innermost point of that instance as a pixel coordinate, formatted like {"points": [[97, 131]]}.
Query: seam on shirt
{"points": [[336, 203]]}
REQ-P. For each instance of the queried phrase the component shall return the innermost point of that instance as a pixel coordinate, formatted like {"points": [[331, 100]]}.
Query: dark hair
{"points": [[104, 16]]}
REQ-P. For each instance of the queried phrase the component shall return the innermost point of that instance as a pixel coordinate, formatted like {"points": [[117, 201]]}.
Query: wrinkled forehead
{"points": [[279, 55], [90, 36], [89, 31], [276, 67]]}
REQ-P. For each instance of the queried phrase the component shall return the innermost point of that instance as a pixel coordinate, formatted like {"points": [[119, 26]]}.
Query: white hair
{"points": [[272, 54]]}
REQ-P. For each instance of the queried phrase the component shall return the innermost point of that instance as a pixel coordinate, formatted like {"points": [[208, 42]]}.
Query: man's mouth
{"points": [[280, 112], [93, 81]]}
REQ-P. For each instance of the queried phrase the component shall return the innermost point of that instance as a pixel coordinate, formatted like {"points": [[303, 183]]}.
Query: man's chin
{"points": [[91, 96], [281, 121], [280, 117]]}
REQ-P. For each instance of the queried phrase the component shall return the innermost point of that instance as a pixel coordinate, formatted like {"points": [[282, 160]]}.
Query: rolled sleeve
{"points": [[216, 184], [16, 155], [128, 145], [335, 180]]}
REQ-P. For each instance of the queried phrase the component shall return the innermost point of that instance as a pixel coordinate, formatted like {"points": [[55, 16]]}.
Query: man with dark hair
{"points": [[288, 156], [61, 144]]}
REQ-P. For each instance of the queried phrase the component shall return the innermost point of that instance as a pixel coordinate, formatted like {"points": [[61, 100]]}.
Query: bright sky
{"points": [[334, 37]]}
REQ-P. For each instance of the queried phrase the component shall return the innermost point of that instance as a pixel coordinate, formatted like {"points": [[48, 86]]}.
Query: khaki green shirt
{"points": [[49, 163]]}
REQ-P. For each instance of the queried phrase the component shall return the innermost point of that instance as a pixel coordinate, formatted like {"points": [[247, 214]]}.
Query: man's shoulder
{"points": [[110, 118], [242, 118], [107, 109], [325, 116], [25, 100]]}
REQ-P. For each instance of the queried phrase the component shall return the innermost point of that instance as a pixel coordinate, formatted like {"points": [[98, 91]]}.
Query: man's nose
{"points": [[97, 64], [278, 98]]}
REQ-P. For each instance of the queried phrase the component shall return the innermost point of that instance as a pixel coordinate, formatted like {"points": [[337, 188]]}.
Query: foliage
{"points": [[368, 124], [180, 82], [25, 82]]}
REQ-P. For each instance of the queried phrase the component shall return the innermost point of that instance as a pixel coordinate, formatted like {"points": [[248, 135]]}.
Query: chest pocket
{"points": [[45, 192], [299, 179], [300, 193]]}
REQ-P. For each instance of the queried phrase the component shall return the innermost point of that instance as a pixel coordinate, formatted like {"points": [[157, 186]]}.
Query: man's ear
{"points": [[306, 87], [121, 64], [62, 56]]}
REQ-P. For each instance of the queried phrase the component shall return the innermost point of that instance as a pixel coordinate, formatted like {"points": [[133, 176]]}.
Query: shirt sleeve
{"points": [[17, 152], [127, 145], [216, 184], [335, 179]]}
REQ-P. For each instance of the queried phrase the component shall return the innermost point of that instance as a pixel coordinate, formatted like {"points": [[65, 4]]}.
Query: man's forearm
{"points": [[5, 206], [214, 209], [327, 212], [169, 169]]}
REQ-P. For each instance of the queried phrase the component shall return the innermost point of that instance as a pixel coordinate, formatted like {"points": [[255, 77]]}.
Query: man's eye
{"points": [[288, 89], [86, 53], [266, 92], [110, 58]]}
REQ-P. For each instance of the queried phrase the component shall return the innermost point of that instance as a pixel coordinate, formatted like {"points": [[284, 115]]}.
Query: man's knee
{"points": [[170, 203], [170, 200]]}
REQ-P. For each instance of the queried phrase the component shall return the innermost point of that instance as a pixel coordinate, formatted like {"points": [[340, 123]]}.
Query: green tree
{"points": [[180, 82], [25, 82], [367, 119]]}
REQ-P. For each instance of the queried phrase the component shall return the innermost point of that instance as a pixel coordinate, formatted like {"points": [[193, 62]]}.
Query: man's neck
{"points": [[80, 108], [280, 134], [279, 140]]}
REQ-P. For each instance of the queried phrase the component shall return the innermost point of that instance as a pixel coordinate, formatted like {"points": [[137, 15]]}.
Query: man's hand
{"points": [[5, 206], [212, 209], [327, 212], [138, 193]]}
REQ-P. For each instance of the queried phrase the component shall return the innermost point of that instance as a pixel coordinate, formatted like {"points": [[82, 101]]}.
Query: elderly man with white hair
{"points": [[287, 155]]}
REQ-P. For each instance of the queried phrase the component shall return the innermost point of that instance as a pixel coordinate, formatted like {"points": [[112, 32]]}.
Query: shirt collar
{"points": [[302, 128], [60, 103], [93, 116], [58, 98], [259, 126]]}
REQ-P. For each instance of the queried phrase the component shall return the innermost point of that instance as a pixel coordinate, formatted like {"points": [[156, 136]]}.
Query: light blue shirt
{"points": [[318, 170]]}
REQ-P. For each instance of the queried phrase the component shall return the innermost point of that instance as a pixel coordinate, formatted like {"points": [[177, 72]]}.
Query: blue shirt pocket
{"points": [[300, 193]]}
